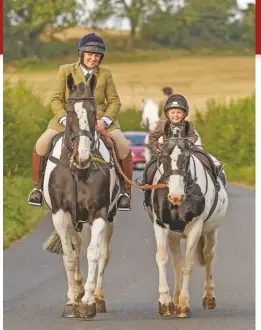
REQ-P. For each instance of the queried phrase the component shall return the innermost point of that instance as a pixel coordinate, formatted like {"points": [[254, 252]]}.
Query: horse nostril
{"points": [[176, 199]]}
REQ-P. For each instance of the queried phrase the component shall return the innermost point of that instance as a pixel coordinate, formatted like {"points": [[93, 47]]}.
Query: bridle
{"points": [[81, 132], [185, 171]]}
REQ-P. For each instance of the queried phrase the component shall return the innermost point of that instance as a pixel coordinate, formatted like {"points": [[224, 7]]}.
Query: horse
{"points": [[150, 118], [81, 187], [190, 207]]}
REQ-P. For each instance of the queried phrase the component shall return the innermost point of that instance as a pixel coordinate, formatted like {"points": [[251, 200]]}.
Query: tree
{"points": [[248, 24], [196, 23], [135, 12], [26, 19]]}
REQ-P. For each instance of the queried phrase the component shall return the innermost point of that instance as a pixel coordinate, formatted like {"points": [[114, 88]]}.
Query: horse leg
{"points": [[87, 308], [99, 292], [62, 223], [192, 241], [165, 304], [174, 245], [209, 300], [79, 289]]}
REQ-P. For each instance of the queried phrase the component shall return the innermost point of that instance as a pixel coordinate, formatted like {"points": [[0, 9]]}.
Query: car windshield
{"points": [[135, 140]]}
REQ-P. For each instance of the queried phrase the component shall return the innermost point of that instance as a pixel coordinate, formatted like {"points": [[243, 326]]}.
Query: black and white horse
{"points": [[82, 190], [190, 207]]}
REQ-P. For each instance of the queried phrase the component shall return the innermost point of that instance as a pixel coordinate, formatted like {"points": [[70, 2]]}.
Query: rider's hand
{"points": [[158, 148], [101, 124]]}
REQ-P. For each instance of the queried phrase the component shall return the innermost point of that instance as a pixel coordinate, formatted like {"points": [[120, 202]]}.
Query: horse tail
{"points": [[200, 258]]}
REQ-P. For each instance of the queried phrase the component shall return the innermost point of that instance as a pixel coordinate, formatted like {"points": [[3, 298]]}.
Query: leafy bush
{"points": [[228, 132], [25, 118], [129, 120]]}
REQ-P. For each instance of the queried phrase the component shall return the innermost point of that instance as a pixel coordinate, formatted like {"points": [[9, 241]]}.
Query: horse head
{"points": [[80, 121], [176, 159]]}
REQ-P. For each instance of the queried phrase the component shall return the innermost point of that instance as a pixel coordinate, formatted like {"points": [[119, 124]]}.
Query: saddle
{"points": [[206, 160]]}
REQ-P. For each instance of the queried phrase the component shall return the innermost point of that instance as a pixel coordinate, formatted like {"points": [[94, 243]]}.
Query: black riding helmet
{"points": [[176, 101], [91, 43]]}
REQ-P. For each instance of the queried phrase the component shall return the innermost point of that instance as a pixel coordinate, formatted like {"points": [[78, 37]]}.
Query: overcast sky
{"points": [[124, 24]]}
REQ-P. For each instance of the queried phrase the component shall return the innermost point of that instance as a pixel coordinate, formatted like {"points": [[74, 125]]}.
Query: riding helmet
{"points": [[91, 43], [176, 101]]}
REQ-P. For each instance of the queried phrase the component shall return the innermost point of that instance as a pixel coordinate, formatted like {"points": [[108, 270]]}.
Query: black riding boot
{"points": [[124, 201]]}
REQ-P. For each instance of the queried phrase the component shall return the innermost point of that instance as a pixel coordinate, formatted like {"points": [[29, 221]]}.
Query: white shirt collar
{"points": [[85, 71]]}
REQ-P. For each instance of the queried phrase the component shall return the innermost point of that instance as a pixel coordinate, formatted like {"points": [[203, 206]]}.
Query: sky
{"points": [[124, 24]]}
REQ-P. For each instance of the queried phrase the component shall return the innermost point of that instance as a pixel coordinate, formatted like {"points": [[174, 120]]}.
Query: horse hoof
{"points": [[87, 311], [175, 309], [209, 303], [183, 312], [70, 311], [100, 306], [166, 310]]}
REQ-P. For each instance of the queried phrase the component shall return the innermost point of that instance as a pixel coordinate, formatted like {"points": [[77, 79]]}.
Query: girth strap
{"points": [[213, 206]]}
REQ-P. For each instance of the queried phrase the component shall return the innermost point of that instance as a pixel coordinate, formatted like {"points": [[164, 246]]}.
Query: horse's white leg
{"points": [[209, 300], [104, 259], [88, 308], [165, 304], [174, 245], [79, 290], [63, 225], [192, 241]]}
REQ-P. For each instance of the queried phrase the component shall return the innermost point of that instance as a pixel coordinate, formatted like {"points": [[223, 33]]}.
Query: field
{"points": [[197, 77]]}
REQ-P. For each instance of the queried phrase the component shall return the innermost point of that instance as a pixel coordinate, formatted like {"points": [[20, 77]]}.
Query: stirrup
{"points": [[32, 203], [120, 208]]}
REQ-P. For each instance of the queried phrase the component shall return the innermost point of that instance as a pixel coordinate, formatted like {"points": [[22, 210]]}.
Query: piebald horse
{"points": [[149, 119], [190, 207], [81, 190]]}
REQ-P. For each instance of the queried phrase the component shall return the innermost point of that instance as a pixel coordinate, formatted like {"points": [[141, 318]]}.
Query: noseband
{"points": [[82, 132], [184, 172]]}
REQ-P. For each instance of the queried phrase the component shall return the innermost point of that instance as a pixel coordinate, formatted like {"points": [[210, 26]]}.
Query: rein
{"points": [[145, 186]]}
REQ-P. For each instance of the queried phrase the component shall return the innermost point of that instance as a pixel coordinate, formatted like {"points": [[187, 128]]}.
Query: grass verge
{"points": [[19, 217]]}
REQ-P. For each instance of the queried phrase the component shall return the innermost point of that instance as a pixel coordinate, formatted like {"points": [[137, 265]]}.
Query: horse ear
{"points": [[93, 83], [70, 82]]}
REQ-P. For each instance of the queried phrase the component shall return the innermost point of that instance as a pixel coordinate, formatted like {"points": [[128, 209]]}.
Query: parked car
{"points": [[136, 141]]}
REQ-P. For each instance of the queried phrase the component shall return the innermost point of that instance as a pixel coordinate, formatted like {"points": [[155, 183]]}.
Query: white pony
{"points": [[150, 118]]}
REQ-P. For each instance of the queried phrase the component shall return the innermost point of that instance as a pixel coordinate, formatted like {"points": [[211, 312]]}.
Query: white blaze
{"points": [[176, 182], [85, 142]]}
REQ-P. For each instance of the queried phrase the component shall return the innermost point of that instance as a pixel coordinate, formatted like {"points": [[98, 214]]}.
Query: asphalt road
{"points": [[35, 282]]}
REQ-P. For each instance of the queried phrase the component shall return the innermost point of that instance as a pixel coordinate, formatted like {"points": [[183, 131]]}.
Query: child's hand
{"points": [[158, 148]]}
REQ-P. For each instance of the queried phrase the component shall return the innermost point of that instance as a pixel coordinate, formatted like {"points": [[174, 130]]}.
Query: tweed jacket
{"points": [[106, 96], [159, 131]]}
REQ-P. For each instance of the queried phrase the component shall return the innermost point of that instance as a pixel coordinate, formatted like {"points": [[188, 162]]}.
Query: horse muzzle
{"points": [[80, 162], [176, 199]]}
